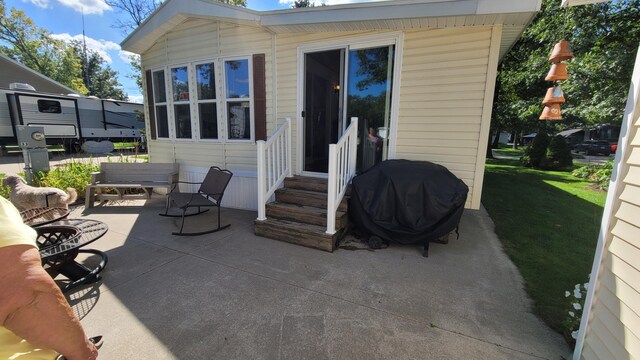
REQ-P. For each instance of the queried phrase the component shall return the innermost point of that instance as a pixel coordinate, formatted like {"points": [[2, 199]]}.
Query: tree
{"points": [[139, 10], [604, 39], [302, 4], [32, 46], [101, 80]]}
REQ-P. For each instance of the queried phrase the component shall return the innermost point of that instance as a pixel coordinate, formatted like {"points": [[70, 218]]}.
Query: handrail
{"points": [[342, 168], [274, 164]]}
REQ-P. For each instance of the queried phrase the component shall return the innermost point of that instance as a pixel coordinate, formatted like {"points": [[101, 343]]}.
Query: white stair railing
{"points": [[342, 168], [274, 164]]}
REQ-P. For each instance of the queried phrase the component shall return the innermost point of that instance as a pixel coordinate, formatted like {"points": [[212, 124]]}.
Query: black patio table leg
{"points": [[80, 274]]}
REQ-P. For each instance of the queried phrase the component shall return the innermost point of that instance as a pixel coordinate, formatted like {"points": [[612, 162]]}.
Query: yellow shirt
{"points": [[14, 232]]}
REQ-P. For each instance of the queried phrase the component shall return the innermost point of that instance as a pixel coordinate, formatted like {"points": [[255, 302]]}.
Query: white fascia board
{"points": [[398, 9], [173, 9], [566, 3]]}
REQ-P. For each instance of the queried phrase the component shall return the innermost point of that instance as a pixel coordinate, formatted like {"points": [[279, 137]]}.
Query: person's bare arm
{"points": [[33, 307]]}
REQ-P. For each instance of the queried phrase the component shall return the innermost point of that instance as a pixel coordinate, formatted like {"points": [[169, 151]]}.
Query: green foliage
{"points": [[548, 223], [35, 48], [70, 175], [604, 40], [558, 154], [534, 155], [4, 190], [599, 174]]}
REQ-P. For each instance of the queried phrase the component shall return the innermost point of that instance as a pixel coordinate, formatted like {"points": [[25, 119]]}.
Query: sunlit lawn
{"points": [[548, 222]]}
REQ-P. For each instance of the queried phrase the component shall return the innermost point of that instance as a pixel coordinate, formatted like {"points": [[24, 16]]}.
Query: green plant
{"points": [[596, 173], [70, 175], [558, 155], [535, 154], [575, 306], [4, 190]]}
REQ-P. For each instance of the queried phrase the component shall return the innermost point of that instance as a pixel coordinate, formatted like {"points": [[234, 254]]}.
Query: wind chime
{"points": [[554, 97]]}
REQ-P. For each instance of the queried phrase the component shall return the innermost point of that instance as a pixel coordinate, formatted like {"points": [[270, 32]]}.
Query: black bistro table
{"points": [[60, 241]]}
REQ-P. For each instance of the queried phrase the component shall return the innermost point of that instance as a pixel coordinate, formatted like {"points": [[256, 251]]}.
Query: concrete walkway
{"points": [[232, 295]]}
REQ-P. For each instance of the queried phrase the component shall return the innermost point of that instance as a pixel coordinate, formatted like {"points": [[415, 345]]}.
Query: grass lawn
{"points": [[548, 222], [508, 150]]}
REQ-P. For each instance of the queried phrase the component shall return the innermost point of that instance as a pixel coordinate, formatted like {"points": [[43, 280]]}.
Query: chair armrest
{"points": [[96, 177], [178, 182]]}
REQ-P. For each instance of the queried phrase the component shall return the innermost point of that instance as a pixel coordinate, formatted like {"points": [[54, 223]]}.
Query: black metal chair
{"points": [[208, 195]]}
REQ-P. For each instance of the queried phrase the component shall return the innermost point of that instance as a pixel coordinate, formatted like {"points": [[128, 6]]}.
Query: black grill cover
{"points": [[407, 201]]}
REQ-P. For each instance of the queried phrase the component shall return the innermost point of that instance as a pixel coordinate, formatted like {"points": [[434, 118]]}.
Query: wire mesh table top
{"points": [[42, 216], [90, 231]]}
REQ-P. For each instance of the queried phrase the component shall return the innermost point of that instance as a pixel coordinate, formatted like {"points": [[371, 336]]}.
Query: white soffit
{"points": [[566, 3]]}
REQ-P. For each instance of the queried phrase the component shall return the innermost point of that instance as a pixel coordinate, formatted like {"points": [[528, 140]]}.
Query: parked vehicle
{"points": [[594, 147], [68, 119]]}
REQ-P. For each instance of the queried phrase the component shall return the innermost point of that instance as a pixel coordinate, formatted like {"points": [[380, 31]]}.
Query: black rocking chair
{"points": [[209, 194]]}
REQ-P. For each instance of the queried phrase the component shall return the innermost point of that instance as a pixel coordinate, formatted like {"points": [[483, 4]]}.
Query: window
{"points": [[206, 100], [160, 100], [181, 107], [49, 106], [238, 99], [193, 100]]}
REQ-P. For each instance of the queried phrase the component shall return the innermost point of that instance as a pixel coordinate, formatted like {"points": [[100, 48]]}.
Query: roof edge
{"points": [[38, 74]]}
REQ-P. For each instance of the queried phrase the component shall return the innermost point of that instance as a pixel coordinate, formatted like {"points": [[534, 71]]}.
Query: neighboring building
{"points": [[12, 71], [419, 75]]}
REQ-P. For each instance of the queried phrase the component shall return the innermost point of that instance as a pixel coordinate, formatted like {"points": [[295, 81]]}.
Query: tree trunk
{"points": [[496, 139], [489, 152]]}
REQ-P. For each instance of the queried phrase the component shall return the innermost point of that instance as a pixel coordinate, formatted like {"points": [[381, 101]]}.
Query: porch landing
{"points": [[233, 295]]}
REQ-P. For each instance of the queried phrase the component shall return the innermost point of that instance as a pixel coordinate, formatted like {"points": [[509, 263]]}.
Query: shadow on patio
{"points": [[234, 295]]}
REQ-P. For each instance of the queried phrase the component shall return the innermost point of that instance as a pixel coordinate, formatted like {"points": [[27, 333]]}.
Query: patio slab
{"points": [[234, 295]]}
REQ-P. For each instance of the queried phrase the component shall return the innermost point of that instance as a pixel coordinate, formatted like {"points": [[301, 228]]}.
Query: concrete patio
{"points": [[232, 295]]}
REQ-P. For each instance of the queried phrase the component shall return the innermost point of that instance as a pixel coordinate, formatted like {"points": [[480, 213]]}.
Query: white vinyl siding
{"points": [[196, 41], [442, 100], [612, 329]]}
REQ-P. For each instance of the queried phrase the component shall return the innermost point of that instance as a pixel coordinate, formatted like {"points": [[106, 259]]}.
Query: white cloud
{"points": [[102, 47], [137, 98], [39, 3], [88, 6], [124, 56]]}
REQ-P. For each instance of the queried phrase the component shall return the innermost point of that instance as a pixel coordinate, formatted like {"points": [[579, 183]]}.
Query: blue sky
{"points": [[64, 20]]}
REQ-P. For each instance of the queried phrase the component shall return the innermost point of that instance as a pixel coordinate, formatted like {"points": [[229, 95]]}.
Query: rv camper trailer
{"points": [[68, 119]]}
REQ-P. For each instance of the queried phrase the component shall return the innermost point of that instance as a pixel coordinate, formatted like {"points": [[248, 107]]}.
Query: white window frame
{"points": [[172, 116], [217, 101], [165, 104], [225, 99]]}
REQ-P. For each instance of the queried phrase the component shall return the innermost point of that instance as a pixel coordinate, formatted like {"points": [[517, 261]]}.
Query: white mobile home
{"points": [[419, 75]]}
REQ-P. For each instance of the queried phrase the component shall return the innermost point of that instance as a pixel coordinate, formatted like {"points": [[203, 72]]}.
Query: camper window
{"points": [[160, 97], [49, 106], [181, 105]]}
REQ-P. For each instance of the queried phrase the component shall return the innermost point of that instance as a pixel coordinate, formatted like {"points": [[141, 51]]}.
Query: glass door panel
{"points": [[322, 115], [369, 87]]}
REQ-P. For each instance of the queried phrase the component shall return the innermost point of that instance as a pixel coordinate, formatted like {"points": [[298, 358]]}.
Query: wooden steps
{"points": [[299, 215]]}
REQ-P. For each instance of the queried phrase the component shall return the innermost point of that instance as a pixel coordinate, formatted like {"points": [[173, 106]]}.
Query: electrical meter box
{"points": [[31, 137]]}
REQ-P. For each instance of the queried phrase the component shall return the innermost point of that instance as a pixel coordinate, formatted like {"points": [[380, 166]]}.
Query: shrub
{"points": [[535, 154], [558, 155], [4, 190], [599, 174], [70, 175]]}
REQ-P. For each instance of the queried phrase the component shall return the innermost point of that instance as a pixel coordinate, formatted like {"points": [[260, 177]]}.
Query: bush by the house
{"points": [[558, 155], [70, 175], [599, 174], [535, 154]]}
